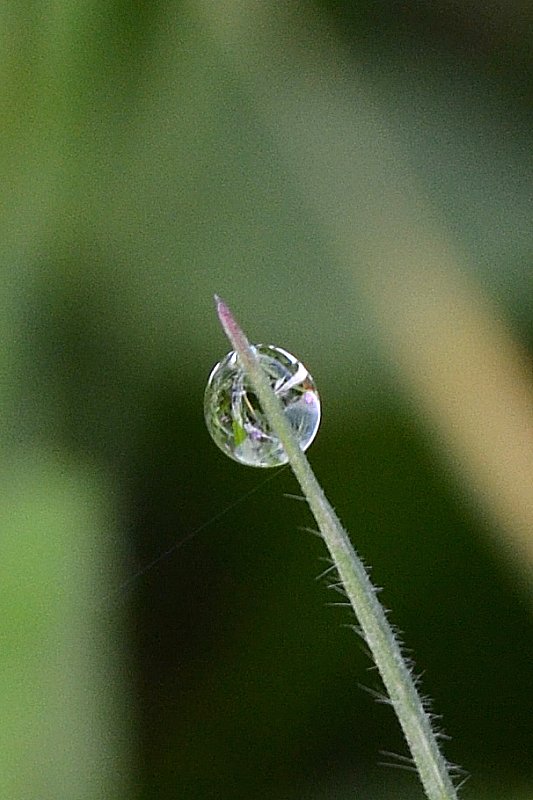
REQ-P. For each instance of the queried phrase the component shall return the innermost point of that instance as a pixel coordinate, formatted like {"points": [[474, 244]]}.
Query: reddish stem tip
{"points": [[230, 325], [224, 314]]}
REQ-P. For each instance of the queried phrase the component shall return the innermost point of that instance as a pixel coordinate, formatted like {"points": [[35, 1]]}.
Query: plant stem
{"points": [[379, 636]]}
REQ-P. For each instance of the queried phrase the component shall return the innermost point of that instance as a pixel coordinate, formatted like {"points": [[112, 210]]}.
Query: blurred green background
{"points": [[355, 180]]}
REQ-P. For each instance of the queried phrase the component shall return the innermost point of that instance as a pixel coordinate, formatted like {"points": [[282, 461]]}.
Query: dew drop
{"points": [[235, 418]]}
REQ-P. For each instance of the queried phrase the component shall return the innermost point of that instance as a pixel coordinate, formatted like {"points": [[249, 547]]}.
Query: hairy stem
{"points": [[379, 635]]}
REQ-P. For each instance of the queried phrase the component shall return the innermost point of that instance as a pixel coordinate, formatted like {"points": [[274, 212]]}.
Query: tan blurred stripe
{"points": [[455, 354]]}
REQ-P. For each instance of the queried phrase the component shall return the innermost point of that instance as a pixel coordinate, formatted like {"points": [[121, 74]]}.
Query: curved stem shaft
{"points": [[378, 633]]}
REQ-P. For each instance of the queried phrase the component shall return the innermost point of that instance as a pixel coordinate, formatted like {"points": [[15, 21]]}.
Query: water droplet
{"points": [[235, 418]]}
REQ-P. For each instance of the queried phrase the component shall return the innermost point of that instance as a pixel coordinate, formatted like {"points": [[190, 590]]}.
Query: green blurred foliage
{"points": [[137, 181]]}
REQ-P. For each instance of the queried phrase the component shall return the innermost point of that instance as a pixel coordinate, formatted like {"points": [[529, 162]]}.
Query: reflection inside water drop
{"points": [[234, 416]]}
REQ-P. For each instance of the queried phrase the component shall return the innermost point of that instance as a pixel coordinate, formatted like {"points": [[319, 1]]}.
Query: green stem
{"points": [[379, 635]]}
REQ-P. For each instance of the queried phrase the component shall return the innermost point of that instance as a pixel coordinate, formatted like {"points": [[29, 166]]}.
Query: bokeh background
{"points": [[354, 178]]}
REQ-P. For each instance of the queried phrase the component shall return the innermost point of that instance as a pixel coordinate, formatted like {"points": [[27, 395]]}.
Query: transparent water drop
{"points": [[235, 418]]}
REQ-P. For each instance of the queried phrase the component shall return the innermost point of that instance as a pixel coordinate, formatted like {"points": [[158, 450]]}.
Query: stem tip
{"points": [[227, 319]]}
